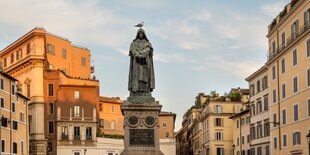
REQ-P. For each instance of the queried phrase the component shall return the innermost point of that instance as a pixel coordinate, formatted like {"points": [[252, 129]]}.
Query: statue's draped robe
{"points": [[141, 71]]}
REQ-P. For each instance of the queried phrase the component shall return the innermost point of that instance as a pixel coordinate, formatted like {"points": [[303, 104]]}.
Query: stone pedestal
{"points": [[141, 126]]}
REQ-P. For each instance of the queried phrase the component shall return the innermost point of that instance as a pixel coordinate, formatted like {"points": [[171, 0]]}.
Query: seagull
{"points": [[140, 24]]}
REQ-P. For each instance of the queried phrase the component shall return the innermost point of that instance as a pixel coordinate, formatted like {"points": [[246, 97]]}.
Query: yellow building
{"points": [[14, 132], [110, 116], [289, 69], [241, 133], [48, 65], [217, 128]]}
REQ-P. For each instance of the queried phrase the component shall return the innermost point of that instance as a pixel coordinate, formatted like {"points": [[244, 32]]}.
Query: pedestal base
{"points": [[141, 128]]}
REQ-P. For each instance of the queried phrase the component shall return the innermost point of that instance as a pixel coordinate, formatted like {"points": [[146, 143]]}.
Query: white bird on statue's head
{"points": [[140, 24]]}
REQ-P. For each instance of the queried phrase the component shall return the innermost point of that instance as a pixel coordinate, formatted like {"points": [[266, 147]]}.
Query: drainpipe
{"points": [[278, 96]]}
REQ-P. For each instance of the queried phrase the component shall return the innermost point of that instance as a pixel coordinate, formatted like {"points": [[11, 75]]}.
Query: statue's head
{"points": [[141, 35]]}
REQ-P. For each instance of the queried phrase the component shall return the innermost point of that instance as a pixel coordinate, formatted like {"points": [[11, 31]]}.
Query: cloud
{"points": [[273, 9], [169, 58]]}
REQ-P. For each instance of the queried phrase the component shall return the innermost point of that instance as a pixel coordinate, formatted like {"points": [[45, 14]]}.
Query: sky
{"points": [[199, 45]]}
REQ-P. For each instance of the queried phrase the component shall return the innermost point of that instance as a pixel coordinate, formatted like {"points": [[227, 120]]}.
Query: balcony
{"points": [[77, 137], [291, 40], [64, 137], [89, 137]]}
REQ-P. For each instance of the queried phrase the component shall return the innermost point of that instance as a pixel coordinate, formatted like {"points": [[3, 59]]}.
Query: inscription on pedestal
{"points": [[141, 137]]}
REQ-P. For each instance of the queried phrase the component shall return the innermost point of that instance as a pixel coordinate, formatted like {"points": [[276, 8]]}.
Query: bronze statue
{"points": [[141, 70]]}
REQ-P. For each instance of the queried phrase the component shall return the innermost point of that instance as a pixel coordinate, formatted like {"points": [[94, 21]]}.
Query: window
{"points": [[307, 18], [248, 138], [112, 109], [28, 49], [76, 111], [296, 138], [101, 123], [13, 89], [219, 122], [14, 147], [237, 141], [50, 147], [14, 124], [51, 108], [259, 130], [13, 107], [267, 150], [294, 29], [295, 84], [274, 50], [252, 151], [259, 106], [274, 96], [283, 66], [294, 57], [28, 90], [167, 134], [50, 127], [21, 117], [266, 128], [259, 150], [76, 133], [5, 62], [266, 103], [283, 40], [309, 107], [64, 132], [88, 133], [308, 77], [64, 53], [242, 139], [242, 122], [296, 112], [83, 61], [284, 140], [258, 86], [78, 153], [273, 72], [284, 116], [253, 109], [274, 120], [252, 88], [275, 142], [253, 133], [22, 147], [237, 123], [50, 89], [218, 109], [4, 121], [308, 48], [112, 124], [18, 54], [219, 136], [2, 83], [50, 48], [283, 91], [2, 102], [2, 146], [100, 107], [76, 94], [12, 58], [264, 83], [164, 124]]}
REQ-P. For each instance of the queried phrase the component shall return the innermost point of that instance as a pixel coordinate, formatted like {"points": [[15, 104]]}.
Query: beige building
{"points": [[14, 132], [289, 69], [241, 133], [259, 108]]}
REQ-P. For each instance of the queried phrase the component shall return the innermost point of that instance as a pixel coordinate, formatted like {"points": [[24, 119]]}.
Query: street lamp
{"points": [[233, 146], [85, 150], [308, 140]]}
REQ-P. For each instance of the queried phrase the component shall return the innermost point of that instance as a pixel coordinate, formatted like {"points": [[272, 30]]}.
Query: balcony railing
{"points": [[304, 29], [77, 137], [89, 137], [64, 137]]}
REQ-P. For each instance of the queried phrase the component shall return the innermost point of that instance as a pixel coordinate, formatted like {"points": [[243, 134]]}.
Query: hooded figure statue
{"points": [[141, 70]]}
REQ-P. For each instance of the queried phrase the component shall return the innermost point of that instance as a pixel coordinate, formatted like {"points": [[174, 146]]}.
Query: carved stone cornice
{"points": [[25, 65]]}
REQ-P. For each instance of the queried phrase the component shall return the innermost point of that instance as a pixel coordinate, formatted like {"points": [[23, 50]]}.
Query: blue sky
{"points": [[199, 45]]}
